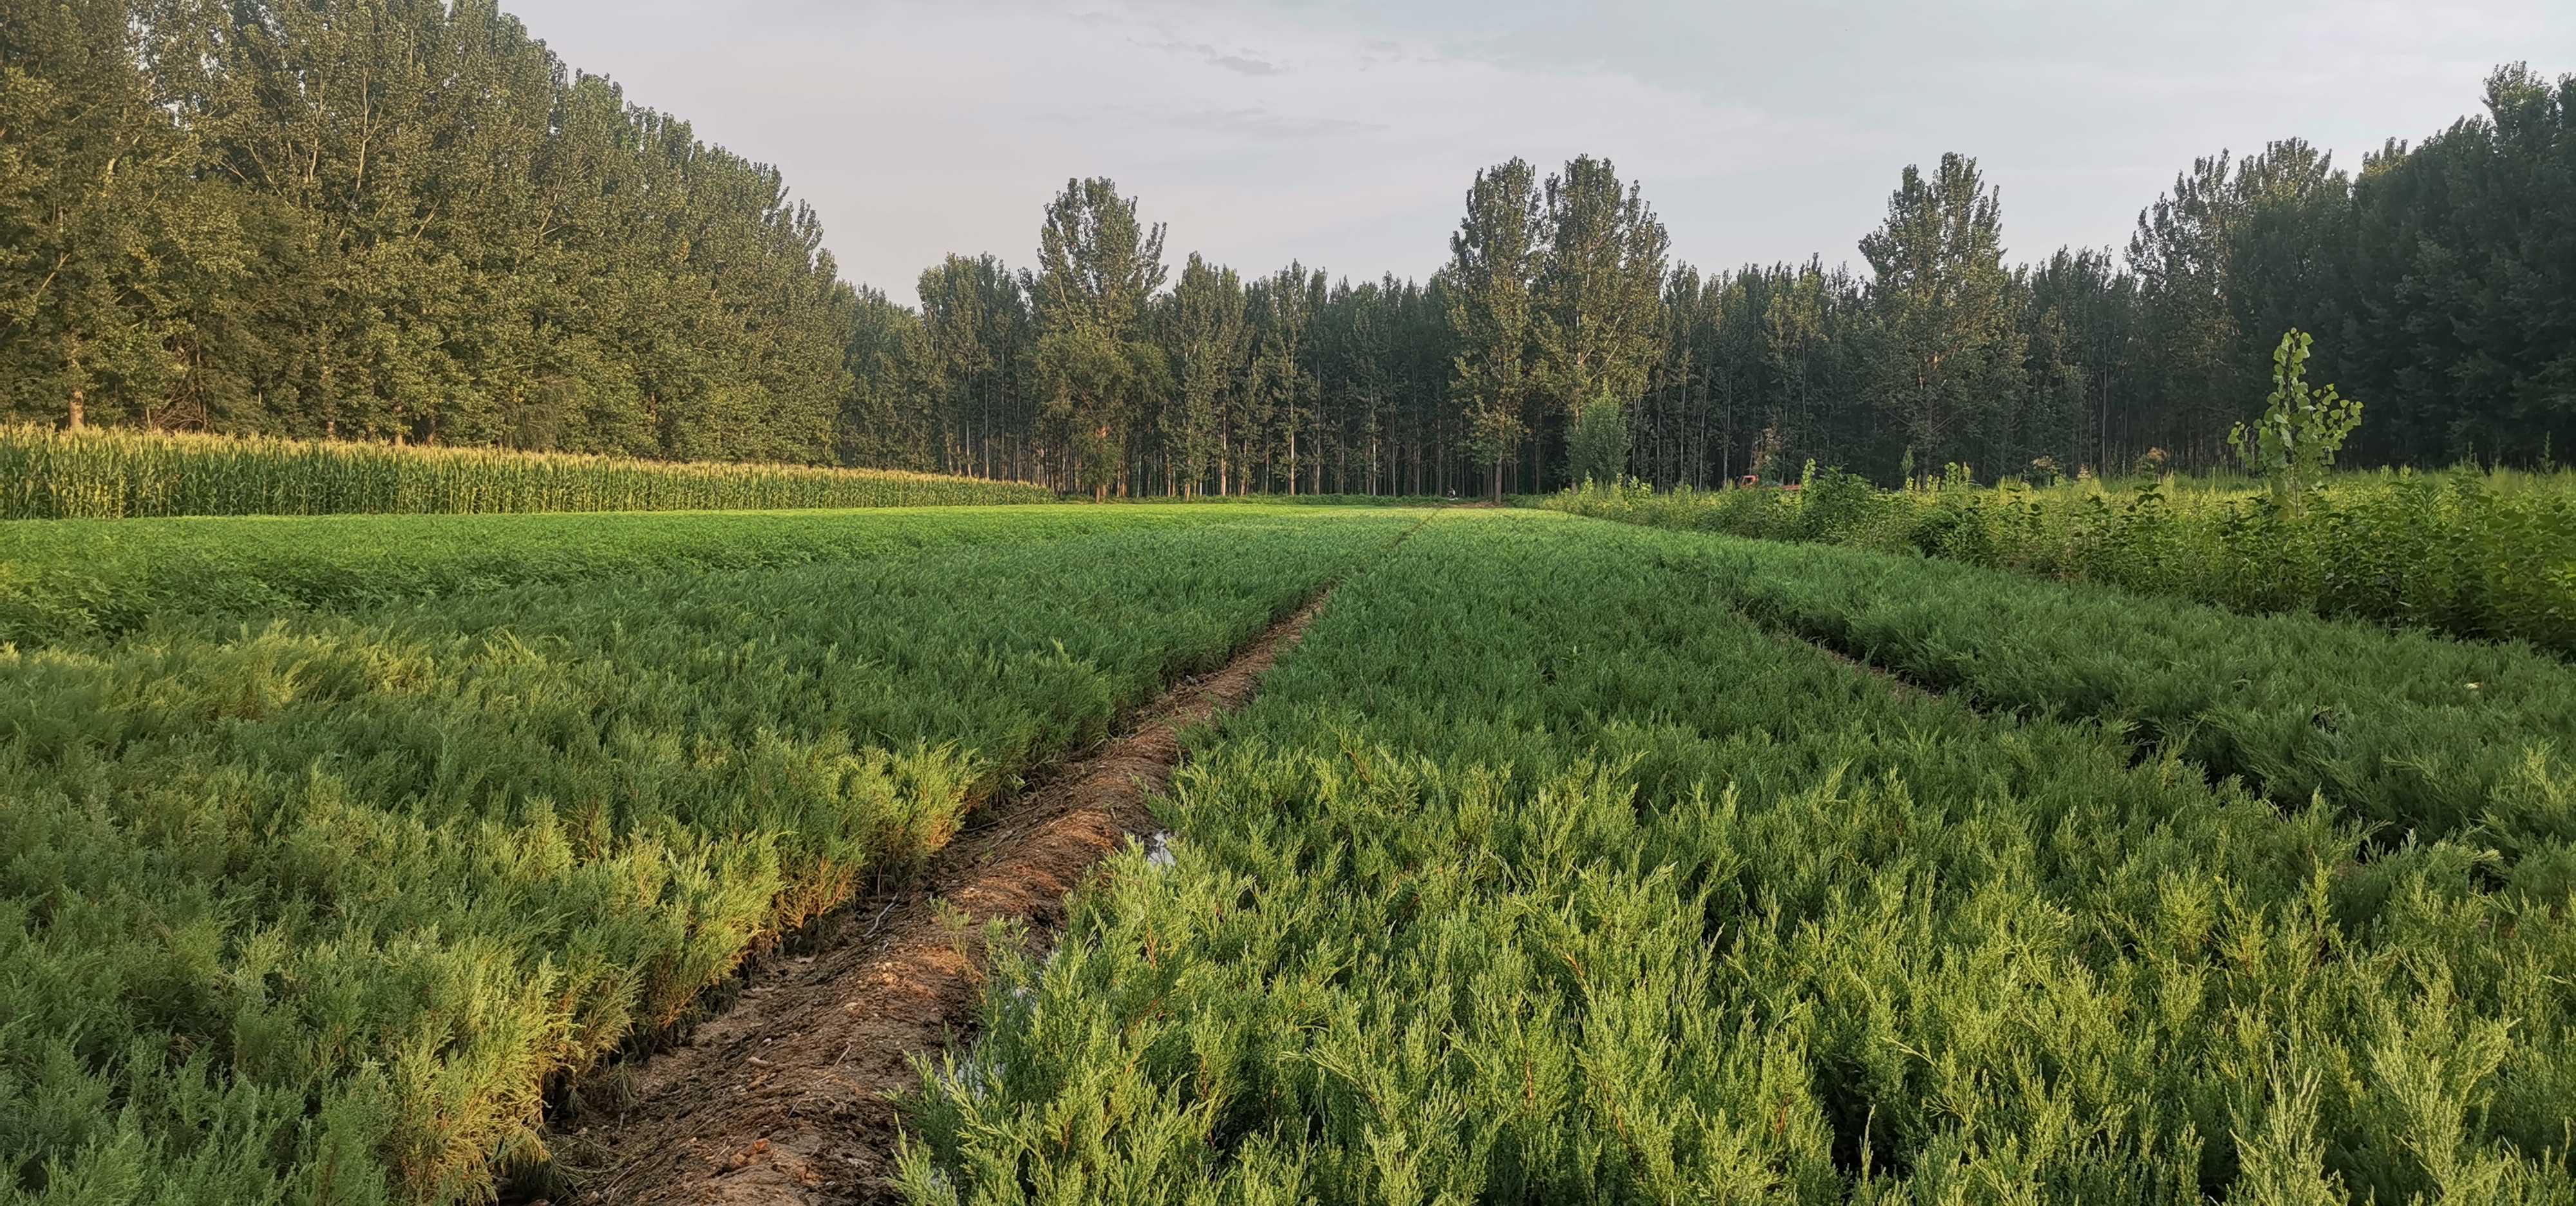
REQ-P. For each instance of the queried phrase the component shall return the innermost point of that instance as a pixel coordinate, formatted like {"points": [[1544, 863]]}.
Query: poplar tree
{"points": [[1951, 370], [890, 416], [1211, 340], [975, 328], [1598, 294], [1097, 268], [108, 242], [2180, 256], [1360, 377], [1283, 308], [2081, 310], [1493, 266], [1670, 429]]}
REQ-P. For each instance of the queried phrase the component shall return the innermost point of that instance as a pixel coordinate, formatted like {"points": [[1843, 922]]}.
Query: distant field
{"points": [[113, 474], [2469, 553]]}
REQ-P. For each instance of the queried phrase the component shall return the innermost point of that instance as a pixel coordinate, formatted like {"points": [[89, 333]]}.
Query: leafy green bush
{"points": [[1596, 448], [2490, 556]]}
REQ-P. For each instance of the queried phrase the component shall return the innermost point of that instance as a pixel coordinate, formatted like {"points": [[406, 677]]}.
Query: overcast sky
{"points": [[1344, 133]]}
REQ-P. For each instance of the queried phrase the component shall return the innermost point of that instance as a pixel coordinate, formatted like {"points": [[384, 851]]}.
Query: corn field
{"points": [[101, 473]]}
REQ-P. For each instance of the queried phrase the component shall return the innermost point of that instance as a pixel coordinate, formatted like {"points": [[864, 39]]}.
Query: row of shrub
{"points": [[2466, 553], [1546, 870], [90, 582], [312, 912]]}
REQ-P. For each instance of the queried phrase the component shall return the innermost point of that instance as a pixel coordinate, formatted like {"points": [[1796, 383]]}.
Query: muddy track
{"points": [[784, 1097]]}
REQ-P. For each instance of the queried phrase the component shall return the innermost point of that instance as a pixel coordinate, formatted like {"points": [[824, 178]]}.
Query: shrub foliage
{"points": [[1542, 873], [2470, 554], [310, 910]]}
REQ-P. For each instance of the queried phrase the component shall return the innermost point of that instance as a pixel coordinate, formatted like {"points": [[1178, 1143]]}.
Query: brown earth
{"points": [[784, 1098]]}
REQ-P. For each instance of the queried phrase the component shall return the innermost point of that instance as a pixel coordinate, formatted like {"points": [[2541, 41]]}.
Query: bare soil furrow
{"points": [[786, 1096]]}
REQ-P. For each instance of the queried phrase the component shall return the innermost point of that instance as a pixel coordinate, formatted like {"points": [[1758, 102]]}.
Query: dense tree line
{"points": [[2440, 281], [406, 220], [393, 219]]}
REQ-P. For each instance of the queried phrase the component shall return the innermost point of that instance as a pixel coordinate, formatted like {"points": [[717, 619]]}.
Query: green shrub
{"points": [[1542, 873], [311, 909], [2467, 553]]}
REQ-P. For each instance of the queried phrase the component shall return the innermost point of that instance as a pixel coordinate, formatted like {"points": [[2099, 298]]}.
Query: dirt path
{"points": [[782, 1098]]}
